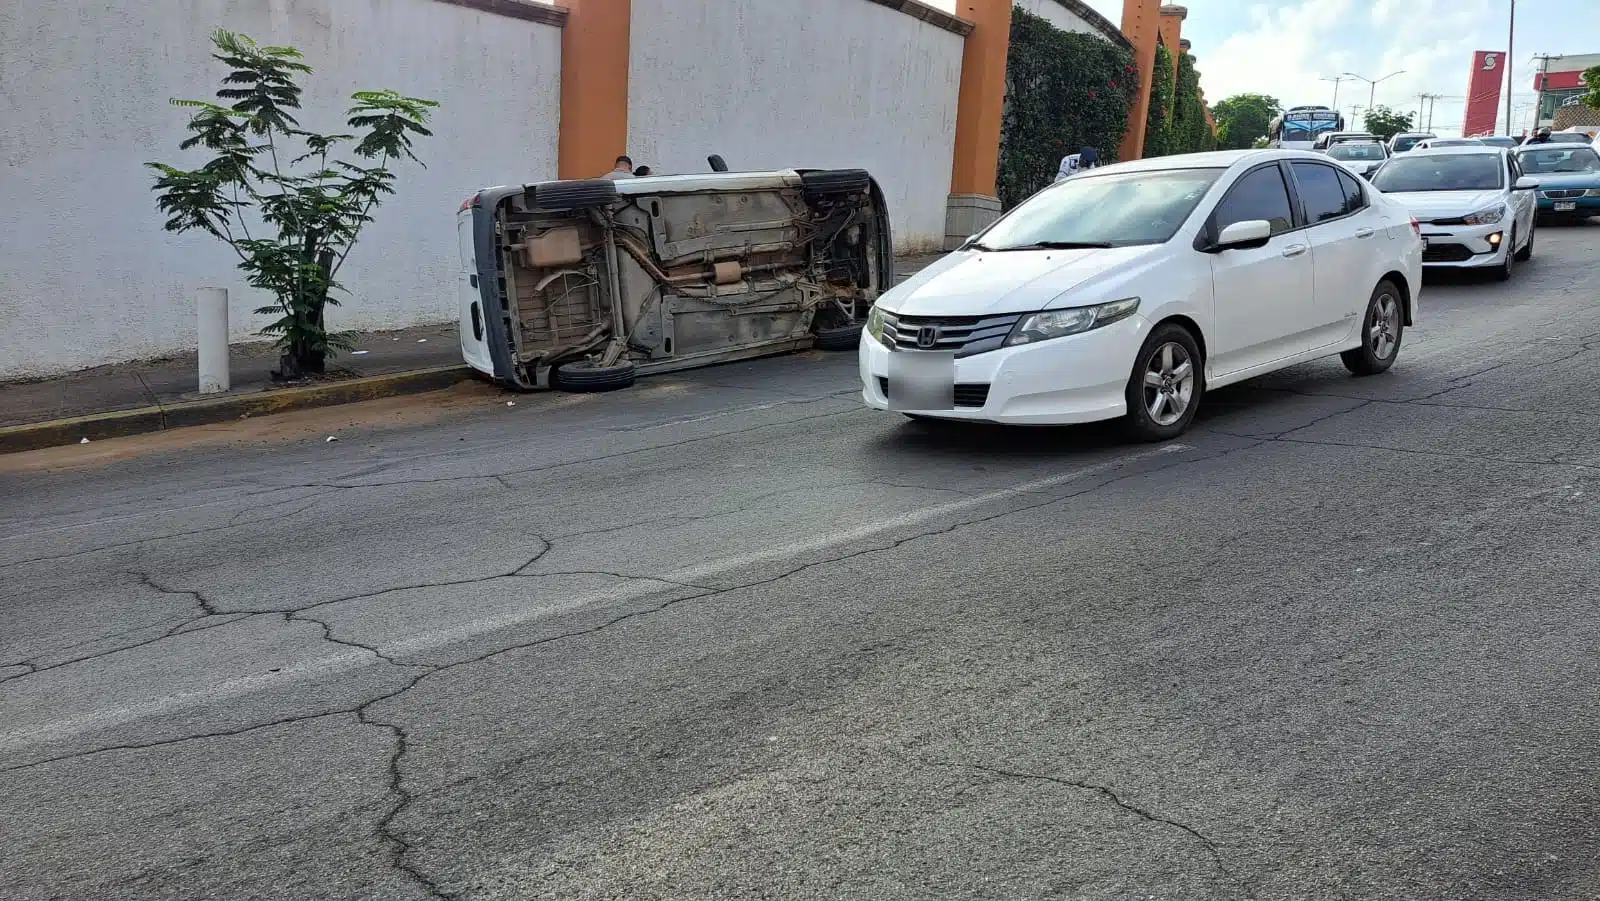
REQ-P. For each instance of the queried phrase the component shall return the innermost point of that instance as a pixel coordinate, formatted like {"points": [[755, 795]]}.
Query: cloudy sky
{"points": [[1284, 47]]}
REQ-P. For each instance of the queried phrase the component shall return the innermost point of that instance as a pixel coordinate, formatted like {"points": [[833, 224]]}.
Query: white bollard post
{"points": [[213, 314]]}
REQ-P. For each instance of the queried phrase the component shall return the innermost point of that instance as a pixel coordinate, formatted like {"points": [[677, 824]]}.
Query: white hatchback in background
{"points": [[1473, 213], [1131, 290]]}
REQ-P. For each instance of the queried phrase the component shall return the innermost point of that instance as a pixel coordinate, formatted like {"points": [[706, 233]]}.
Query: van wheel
{"points": [[1166, 385], [589, 376], [844, 337], [584, 194], [1382, 329]]}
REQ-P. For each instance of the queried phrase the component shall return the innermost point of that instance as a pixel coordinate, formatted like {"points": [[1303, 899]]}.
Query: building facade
{"points": [[1560, 84]]}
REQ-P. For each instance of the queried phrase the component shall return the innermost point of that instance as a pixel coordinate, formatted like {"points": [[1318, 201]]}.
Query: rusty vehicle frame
{"points": [[585, 284]]}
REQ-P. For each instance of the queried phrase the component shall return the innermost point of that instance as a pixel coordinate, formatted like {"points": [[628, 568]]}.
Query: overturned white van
{"points": [[583, 285]]}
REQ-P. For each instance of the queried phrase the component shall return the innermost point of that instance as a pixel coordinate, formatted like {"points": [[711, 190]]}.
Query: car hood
{"points": [[979, 283], [1427, 205]]}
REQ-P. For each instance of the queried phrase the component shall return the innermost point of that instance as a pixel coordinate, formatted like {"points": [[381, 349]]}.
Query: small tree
{"points": [[282, 197], [1591, 80], [1386, 123]]}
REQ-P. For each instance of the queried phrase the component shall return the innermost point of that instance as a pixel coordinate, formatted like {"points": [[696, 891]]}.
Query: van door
{"points": [[474, 346]]}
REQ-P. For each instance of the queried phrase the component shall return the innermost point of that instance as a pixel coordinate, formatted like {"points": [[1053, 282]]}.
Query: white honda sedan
{"points": [[1475, 208], [1130, 290]]}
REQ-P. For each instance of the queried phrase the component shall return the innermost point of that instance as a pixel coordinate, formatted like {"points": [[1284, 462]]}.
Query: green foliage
{"points": [[1190, 132], [1591, 79], [1163, 90], [1243, 120], [309, 207], [1386, 123], [1064, 91]]}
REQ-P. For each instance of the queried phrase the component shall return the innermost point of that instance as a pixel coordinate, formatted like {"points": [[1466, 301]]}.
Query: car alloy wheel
{"points": [[1169, 383], [1383, 332]]}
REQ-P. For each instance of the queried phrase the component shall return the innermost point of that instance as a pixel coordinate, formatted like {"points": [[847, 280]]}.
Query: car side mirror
{"points": [[1527, 184], [1245, 235]]}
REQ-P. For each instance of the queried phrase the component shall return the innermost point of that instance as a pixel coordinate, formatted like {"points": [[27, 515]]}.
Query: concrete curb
{"points": [[98, 426]]}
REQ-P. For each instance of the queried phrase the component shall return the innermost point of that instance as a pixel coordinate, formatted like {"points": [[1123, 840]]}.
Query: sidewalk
{"points": [[154, 394]]}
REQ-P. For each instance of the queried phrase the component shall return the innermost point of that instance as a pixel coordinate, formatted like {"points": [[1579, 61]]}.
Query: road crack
{"points": [[1112, 795]]}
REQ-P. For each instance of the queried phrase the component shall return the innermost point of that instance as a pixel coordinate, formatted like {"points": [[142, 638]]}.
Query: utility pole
{"points": [[1538, 97], [1511, 56], [1337, 80]]}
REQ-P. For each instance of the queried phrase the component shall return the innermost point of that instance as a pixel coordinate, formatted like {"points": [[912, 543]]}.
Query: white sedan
{"points": [[1474, 206], [1130, 290]]}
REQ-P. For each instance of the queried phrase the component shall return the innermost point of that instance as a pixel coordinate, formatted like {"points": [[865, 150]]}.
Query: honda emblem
{"points": [[927, 336]]}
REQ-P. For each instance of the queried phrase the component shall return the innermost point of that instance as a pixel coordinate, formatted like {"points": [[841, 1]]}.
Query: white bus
{"points": [[1298, 127]]}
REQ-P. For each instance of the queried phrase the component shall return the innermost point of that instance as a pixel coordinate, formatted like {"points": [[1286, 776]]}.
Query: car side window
{"points": [[1355, 200], [1320, 191], [1260, 194]]}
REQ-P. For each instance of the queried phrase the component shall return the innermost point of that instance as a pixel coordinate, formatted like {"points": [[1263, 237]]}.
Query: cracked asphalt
{"points": [[730, 635]]}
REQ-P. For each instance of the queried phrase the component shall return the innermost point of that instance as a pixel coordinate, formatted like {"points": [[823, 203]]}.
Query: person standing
{"points": [[624, 169]]}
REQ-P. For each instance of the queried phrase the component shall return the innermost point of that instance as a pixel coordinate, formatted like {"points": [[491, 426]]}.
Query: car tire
{"points": [[843, 337], [1383, 329], [1171, 357], [1504, 272], [1526, 253], [581, 194], [587, 376]]}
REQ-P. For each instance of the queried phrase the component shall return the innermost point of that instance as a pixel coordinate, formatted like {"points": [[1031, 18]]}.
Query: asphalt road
{"points": [[729, 635]]}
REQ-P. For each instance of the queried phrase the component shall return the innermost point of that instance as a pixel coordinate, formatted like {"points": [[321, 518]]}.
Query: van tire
{"points": [[834, 182], [587, 376], [843, 337], [584, 194]]}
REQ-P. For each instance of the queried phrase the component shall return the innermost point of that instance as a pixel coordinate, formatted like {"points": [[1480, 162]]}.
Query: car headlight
{"points": [[1592, 192], [879, 322], [1486, 216], [1049, 324]]}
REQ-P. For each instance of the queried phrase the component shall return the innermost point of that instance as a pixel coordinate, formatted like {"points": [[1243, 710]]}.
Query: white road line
{"points": [[423, 642]]}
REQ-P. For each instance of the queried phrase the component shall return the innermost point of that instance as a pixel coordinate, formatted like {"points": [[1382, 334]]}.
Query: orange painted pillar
{"points": [[1141, 24], [1172, 32], [973, 202], [594, 87]]}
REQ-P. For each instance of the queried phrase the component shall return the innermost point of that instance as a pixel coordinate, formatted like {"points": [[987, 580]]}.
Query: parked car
{"points": [[1502, 141], [1404, 142], [1432, 143], [1562, 137], [1474, 212], [1363, 157], [583, 285], [1131, 290], [1568, 176]]}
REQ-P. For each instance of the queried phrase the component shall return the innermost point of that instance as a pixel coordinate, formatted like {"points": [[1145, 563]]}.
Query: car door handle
{"points": [[1363, 232], [1294, 250]]}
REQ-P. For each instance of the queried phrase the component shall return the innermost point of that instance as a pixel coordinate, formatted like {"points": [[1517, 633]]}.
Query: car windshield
{"points": [[1401, 145], [1499, 142], [1575, 159], [1111, 210], [1353, 151], [1441, 172]]}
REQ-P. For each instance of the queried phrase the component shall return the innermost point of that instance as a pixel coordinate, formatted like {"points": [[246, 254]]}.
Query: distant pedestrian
{"points": [[624, 169], [1073, 163], [642, 172]]}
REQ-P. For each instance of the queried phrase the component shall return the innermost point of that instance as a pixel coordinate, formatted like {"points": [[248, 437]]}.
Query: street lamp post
{"points": [[1337, 80], [1372, 84], [1511, 48]]}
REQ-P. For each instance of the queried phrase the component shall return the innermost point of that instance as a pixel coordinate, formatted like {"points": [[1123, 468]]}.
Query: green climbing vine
{"points": [[1064, 91], [1177, 122], [1163, 91]]}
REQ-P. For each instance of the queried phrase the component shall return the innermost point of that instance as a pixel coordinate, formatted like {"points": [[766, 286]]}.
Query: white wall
{"points": [[87, 276], [1059, 16], [819, 83]]}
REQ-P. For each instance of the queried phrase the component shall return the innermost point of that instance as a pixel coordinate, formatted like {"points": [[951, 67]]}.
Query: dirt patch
{"points": [[384, 413]]}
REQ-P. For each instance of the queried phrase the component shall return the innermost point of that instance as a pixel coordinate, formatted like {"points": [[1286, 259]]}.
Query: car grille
{"points": [[1456, 221], [965, 335], [970, 395], [1564, 194], [1446, 253]]}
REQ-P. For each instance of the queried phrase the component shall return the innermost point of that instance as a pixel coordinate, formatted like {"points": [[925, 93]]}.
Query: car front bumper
{"points": [[1075, 379], [1466, 246]]}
